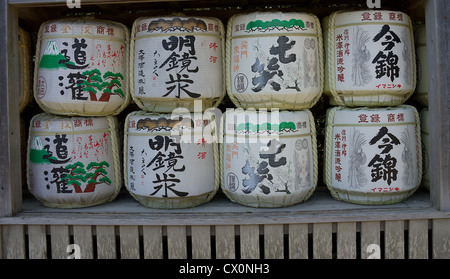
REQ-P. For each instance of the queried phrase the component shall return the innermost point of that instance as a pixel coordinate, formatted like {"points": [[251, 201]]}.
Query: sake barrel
{"points": [[268, 159], [82, 67], [274, 60], [370, 58], [373, 155], [170, 160], [421, 93], [177, 61], [424, 124], [25, 88], [73, 161]]}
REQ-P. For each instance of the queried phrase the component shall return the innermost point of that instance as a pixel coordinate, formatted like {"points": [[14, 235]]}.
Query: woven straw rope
{"points": [[25, 74], [328, 166], [331, 64], [126, 40], [274, 100], [112, 124], [171, 202], [179, 102], [261, 199]]}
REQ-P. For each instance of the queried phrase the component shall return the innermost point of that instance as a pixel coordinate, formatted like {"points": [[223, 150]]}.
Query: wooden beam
{"points": [[438, 52], [10, 172]]}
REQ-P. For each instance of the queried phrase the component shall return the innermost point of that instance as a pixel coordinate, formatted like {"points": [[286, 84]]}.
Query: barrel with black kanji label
{"points": [[170, 161], [274, 60], [82, 67], [177, 62], [268, 159], [370, 58], [73, 161], [425, 129], [373, 155]]}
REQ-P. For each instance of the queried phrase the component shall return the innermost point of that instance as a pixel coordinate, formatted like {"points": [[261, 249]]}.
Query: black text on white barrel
{"points": [[373, 156], [177, 61], [274, 60], [73, 161], [269, 159], [82, 67], [170, 160], [425, 127], [370, 58]]}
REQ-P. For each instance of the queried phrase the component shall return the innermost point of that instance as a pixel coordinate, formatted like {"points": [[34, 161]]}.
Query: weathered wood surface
{"points": [[339, 240]]}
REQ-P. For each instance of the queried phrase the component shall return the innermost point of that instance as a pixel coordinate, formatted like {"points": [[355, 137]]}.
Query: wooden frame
{"points": [[320, 229]]}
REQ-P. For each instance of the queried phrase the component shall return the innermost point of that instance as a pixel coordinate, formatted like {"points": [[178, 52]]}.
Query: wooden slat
{"points": [[59, 238], [225, 242], [273, 242], [438, 49], [153, 242], [10, 172], [106, 242], [176, 242], [394, 239], [37, 242], [322, 241], [346, 240], [249, 238], [441, 239], [82, 236], [201, 242], [370, 240], [129, 242], [298, 241], [418, 239], [13, 242]]}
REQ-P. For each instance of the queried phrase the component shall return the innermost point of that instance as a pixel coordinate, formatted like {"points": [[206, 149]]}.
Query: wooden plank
{"points": [[441, 239], [298, 241], [346, 240], [106, 242], [249, 238], [394, 239], [59, 239], [201, 242], [438, 49], [370, 240], [82, 236], [13, 242], [37, 242], [153, 242], [176, 242], [273, 242], [322, 241], [225, 242], [418, 239], [129, 242], [10, 172]]}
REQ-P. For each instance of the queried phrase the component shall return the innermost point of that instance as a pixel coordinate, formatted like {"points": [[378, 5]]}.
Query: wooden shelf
{"points": [[321, 207]]}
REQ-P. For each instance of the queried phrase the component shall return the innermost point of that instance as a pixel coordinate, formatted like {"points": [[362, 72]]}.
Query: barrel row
{"points": [[91, 67], [257, 158]]}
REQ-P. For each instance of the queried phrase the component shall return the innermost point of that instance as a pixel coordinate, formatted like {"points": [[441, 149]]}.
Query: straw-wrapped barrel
{"points": [[73, 161]]}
